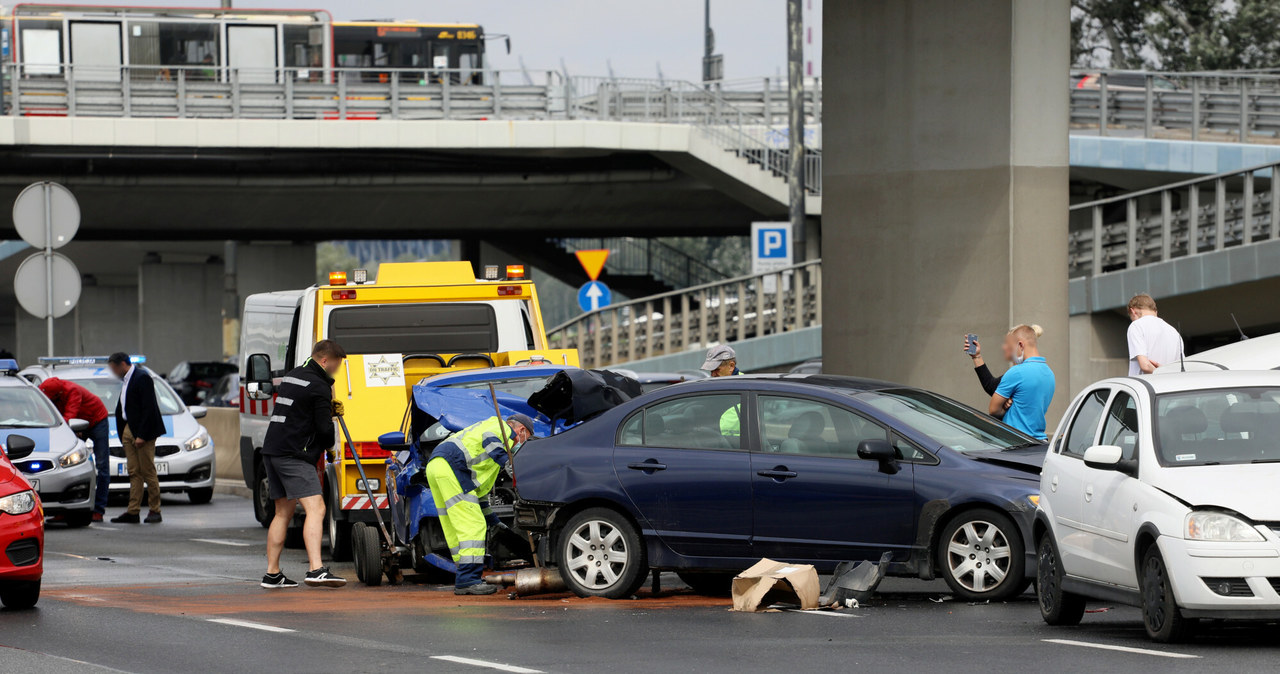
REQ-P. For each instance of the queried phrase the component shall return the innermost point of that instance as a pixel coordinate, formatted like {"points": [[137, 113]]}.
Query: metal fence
{"points": [[638, 257], [725, 311], [737, 121], [1179, 220], [1243, 107]]}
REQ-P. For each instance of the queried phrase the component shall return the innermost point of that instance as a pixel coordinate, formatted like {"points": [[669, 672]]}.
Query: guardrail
{"points": [[725, 311], [1174, 221], [632, 256], [1243, 107], [740, 122]]}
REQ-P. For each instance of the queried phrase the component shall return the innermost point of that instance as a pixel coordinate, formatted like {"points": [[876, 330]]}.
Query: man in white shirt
{"points": [[1152, 341]]}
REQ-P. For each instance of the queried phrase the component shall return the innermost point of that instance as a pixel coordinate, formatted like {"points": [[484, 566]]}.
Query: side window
{"points": [[689, 422], [795, 426], [1084, 428], [1121, 426], [907, 451]]}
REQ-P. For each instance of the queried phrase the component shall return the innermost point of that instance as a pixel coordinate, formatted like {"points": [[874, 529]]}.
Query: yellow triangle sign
{"points": [[592, 261]]}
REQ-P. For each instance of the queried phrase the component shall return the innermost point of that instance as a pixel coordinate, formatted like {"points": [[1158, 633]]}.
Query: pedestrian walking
{"points": [[1026, 389], [1152, 341], [461, 473], [138, 423], [77, 402], [298, 436]]}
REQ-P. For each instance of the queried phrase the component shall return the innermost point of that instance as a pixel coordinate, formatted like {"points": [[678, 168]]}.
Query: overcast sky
{"points": [[635, 35]]}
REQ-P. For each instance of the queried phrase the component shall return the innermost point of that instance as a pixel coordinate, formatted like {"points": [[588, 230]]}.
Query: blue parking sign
{"points": [[773, 242]]}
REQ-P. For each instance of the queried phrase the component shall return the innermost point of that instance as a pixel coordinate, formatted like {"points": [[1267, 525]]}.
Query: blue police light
{"points": [[137, 360], [8, 365], [40, 466], [83, 360]]}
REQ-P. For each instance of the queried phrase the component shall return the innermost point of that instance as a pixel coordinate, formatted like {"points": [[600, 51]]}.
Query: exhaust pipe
{"points": [[526, 582]]}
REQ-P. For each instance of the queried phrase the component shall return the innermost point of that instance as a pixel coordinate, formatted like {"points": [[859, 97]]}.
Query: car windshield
{"points": [[1218, 426], [947, 423], [521, 387], [108, 389], [25, 407]]}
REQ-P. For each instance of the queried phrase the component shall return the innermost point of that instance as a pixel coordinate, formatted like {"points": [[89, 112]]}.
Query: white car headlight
{"points": [[20, 503], [198, 441], [1209, 525], [74, 457]]}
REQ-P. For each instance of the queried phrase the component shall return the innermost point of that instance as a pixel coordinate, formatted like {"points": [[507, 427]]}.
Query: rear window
{"points": [[416, 328]]}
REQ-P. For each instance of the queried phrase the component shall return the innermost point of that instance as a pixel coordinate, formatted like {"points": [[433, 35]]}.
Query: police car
{"points": [[184, 454], [61, 468]]}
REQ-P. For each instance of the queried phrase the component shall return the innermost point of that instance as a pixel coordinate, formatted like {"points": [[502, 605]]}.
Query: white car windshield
{"points": [[1218, 426], [24, 407], [108, 389]]}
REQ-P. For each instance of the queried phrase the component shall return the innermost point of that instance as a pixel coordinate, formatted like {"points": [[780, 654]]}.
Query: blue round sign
{"points": [[594, 295]]}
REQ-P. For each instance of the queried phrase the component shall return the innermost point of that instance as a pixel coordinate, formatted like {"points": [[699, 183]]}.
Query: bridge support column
{"points": [[258, 268], [179, 312], [945, 208]]}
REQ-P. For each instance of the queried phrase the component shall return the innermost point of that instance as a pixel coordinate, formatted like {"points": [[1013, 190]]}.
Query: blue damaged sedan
{"points": [[706, 477]]}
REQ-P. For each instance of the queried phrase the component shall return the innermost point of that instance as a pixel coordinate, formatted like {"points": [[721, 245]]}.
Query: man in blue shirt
{"points": [[1026, 389]]}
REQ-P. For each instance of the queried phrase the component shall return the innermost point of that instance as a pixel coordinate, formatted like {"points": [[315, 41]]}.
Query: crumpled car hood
{"points": [[1249, 489], [457, 408]]}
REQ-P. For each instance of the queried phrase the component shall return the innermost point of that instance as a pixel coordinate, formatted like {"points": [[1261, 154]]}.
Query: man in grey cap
{"points": [[722, 361], [461, 473]]}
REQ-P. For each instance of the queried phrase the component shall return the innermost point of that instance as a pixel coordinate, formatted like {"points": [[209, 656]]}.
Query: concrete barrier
{"points": [[223, 424]]}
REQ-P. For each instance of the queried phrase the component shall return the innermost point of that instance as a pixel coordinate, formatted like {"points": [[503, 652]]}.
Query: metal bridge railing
{"points": [[683, 320], [1173, 221], [1243, 107], [738, 121], [637, 257]]}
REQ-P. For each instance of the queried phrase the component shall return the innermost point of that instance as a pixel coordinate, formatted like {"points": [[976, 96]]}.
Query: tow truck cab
{"points": [[415, 320]]}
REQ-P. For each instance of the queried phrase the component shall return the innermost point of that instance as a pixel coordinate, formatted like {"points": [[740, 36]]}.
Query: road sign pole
{"points": [[48, 264]]}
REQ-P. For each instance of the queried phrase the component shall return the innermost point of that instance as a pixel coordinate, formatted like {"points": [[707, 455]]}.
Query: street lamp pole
{"points": [[795, 116]]}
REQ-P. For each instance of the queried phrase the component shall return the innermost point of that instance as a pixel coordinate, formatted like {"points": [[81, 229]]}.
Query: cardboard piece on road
{"points": [[778, 582], [592, 261]]}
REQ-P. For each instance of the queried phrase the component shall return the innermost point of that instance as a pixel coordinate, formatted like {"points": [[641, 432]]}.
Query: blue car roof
{"points": [[493, 373]]}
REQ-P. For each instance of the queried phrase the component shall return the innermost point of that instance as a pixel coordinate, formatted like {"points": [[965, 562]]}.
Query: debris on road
{"points": [[778, 582], [855, 581], [529, 581]]}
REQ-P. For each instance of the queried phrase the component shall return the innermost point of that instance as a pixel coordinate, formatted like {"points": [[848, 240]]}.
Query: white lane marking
{"points": [[250, 625], [826, 613], [485, 663], [1122, 649], [222, 541]]}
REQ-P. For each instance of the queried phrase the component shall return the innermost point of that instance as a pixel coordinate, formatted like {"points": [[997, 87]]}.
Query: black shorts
{"points": [[290, 477]]}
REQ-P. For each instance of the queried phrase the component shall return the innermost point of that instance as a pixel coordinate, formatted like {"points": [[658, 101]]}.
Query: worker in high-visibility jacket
{"points": [[461, 472], [722, 361]]}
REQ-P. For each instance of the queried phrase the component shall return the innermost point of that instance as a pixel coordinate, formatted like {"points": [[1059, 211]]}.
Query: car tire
{"points": [[977, 547], [368, 554], [20, 595], [1057, 606], [339, 537], [79, 520], [585, 545], [264, 509], [1160, 614], [201, 495], [708, 583]]}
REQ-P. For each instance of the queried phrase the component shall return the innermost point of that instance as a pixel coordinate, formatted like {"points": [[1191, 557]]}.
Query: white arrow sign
{"points": [[595, 293]]}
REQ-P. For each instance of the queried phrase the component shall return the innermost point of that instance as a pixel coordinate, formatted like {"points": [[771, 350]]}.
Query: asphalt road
{"points": [[183, 595]]}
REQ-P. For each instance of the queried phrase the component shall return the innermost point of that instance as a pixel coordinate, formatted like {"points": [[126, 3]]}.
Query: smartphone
{"points": [[973, 344]]}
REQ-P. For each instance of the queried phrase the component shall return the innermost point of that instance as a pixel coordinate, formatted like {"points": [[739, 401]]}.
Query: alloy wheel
{"points": [[598, 554], [978, 556]]}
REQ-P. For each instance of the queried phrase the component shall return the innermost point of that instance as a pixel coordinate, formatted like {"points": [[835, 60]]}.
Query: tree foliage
{"points": [[1176, 35]]}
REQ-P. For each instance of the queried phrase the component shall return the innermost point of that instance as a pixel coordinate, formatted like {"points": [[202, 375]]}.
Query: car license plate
{"points": [[35, 485], [162, 468]]}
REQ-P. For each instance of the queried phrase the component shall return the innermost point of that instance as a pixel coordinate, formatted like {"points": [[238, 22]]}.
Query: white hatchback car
{"points": [[1161, 492]]}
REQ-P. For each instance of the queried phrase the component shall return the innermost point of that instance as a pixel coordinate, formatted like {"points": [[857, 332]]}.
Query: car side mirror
{"points": [[258, 382], [198, 411], [880, 451], [1109, 457], [19, 447], [78, 425], [393, 442]]}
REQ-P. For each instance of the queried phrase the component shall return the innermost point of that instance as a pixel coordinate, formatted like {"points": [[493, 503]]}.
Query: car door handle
{"points": [[1088, 493], [780, 473], [647, 466], [1053, 484]]}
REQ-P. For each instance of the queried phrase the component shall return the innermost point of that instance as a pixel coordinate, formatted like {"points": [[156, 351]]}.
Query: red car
{"points": [[21, 530]]}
